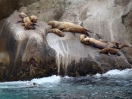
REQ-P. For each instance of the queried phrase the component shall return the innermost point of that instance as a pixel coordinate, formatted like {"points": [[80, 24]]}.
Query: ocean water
{"points": [[114, 84]]}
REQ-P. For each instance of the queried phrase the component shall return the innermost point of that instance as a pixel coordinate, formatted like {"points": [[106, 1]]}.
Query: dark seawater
{"points": [[114, 84]]}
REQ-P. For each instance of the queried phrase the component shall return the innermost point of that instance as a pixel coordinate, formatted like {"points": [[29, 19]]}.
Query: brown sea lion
{"points": [[28, 25], [57, 31], [122, 46], [33, 18], [111, 45], [82, 37], [103, 41], [22, 15], [68, 27], [109, 51], [93, 42], [114, 44], [26, 19], [100, 43]]}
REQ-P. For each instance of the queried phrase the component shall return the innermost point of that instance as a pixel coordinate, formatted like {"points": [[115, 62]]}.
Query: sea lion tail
{"points": [[35, 25], [88, 31], [122, 46]]}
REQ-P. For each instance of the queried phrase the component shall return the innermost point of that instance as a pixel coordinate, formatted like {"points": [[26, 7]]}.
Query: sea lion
{"points": [[28, 25], [57, 31], [82, 37], [103, 41], [111, 45], [109, 51], [100, 43], [93, 42], [68, 27], [117, 45], [33, 18], [22, 15], [26, 19], [122, 46]]}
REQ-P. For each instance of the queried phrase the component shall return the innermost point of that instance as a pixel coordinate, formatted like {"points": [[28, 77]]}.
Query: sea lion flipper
{"points": [[18, 22], [74, 34], [23, 24], [89, 31], [25, 28], [109, 54], [36, 25]]}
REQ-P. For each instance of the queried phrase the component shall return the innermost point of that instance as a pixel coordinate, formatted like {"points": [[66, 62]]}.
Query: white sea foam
{"points": [[127, 73], [28, 84], [14, 84], [51, 79]]}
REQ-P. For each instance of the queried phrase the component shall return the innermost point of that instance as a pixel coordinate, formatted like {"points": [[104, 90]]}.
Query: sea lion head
{"points": [[22, 15], [33, 18], [82, 37], [54, 24]]}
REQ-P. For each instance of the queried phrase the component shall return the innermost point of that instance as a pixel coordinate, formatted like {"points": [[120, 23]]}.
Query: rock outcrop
{"points": [[8, 6], [26, 54]]}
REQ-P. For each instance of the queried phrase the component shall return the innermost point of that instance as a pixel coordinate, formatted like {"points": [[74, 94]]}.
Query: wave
{"points": [[52, 79], [127, 73], [120, 74]]}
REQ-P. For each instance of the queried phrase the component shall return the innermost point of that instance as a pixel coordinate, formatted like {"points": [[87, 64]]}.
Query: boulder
{"points": [[27, 54], [24, 54]]}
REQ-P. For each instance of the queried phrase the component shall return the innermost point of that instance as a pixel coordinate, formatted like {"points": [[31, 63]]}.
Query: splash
{"points": [[127, 73], [52, 79], [29, 84]]}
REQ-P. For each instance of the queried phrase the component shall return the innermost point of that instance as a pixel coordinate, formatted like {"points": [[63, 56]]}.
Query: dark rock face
{"points": [[22, 3], [27, 54], [45, 10], [24, 54], [8, 6]]}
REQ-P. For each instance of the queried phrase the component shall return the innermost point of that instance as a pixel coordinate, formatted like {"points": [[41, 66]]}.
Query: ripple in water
{"points": [[114, 84]]}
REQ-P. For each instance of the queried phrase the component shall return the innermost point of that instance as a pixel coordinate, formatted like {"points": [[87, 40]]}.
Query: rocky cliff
{"points": [[26, 54]]}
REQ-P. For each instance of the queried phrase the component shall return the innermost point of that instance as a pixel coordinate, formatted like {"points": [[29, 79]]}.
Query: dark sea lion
{"points": [[109, 51]]}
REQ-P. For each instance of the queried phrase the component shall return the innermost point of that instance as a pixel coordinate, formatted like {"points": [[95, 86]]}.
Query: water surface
{"points": [[114, 84]]}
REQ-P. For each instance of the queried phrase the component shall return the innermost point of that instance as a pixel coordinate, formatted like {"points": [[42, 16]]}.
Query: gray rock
{"points": [[26, 54]]}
